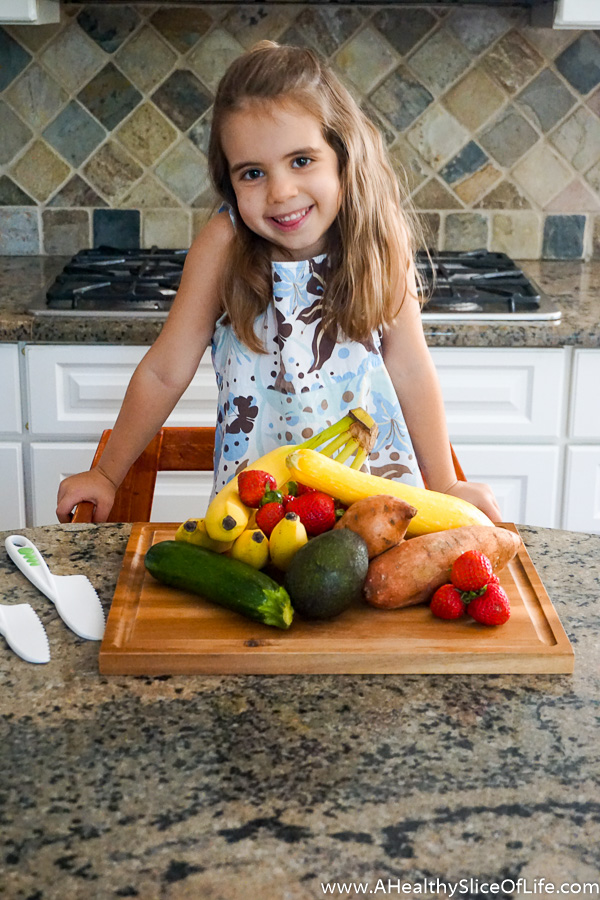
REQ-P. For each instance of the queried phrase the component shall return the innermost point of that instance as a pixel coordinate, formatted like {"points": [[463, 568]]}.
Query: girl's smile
{"points": [[285, 177]]}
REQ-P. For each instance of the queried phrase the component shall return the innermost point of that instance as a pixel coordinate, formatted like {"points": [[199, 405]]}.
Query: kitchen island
{"points": [[268, 787]]}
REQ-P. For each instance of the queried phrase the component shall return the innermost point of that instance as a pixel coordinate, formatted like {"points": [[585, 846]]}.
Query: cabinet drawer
{"points": [[10, 395], [524, 479], [50, 463], [582, 489], [12, 494], [499, 393], [585, 401], [79, 390]]}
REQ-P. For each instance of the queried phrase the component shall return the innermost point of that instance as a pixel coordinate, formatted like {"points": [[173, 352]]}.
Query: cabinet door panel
{"points": [[51, 463], [79, 390], [585, 403], [501, 393], [12, 494], [181, 495], [524, 479], [10, 396], [582, 489]]}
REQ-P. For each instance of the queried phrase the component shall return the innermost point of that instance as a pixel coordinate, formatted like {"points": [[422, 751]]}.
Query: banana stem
{"points": [[335, 444], [359, 459], [333, 431], [348, 450]]}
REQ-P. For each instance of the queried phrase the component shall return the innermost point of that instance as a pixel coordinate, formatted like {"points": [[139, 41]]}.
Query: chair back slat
{"points": [[187, 450]]}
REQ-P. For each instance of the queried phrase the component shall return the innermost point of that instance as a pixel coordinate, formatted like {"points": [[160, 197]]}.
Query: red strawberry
{"points": [[252, 484], [447, 603], [492, 607], [471, 571], [304, 489], [316, 511], [268, 516], [494, 579]]}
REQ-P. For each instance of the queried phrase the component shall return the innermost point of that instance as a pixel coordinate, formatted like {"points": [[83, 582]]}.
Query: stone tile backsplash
{"points": [[493, 125]]}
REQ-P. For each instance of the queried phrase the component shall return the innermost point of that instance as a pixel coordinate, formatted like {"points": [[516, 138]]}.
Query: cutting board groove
{"points": [[156, 630]]}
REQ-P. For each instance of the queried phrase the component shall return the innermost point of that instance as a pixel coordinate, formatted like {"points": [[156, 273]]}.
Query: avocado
{"points": [[326, 575]]}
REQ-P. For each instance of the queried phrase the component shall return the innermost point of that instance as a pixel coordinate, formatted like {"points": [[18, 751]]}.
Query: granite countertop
{"points": [[574, 285], [265, 787]]}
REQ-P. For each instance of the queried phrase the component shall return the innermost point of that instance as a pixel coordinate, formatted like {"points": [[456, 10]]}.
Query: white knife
{"points": [[74, 596], [24, 632]]}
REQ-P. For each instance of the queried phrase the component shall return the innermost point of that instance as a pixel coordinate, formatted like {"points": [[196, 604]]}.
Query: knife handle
{"points": [[30, 561]]}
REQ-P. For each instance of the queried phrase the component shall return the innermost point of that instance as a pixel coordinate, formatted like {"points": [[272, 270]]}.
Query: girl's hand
{"points": [[93, 486], [480, 495]]}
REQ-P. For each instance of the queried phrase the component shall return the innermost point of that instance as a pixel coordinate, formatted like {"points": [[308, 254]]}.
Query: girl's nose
{"points": [[282, 187]]}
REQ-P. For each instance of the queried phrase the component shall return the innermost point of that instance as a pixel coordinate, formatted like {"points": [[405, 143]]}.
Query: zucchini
{"points": [[227, 582]]}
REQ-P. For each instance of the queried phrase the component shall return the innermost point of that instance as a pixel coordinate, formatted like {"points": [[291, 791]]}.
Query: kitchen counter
{"points": [[221, 787], [575, 285]]}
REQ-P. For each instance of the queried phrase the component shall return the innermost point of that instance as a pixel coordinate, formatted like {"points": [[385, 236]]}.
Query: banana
{"points": [[193, 531], [227, 517], [252, 548], [286, 538]]}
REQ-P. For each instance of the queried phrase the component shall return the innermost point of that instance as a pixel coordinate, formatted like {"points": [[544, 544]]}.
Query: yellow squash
{"points": [[435, 512]]}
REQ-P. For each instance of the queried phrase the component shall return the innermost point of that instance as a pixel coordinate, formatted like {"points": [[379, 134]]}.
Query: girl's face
{"points": [[285, 177]]}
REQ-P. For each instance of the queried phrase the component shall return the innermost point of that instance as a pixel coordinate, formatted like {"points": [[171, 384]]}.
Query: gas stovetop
{"points": [[478, 285], [466, 286]]}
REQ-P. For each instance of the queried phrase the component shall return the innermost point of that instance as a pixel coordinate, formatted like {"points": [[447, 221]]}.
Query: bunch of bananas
{"points": [[229, 527]]}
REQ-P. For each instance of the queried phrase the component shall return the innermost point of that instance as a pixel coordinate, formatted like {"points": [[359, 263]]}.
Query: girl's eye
{"points": [[251, 174], [301, 161]]}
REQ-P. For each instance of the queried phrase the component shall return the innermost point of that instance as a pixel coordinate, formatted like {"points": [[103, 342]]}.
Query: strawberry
{"points": [[304, 489], [447, 603], [252, 484], [316, 511], [491, 607], [471, 571], [268, 516]]}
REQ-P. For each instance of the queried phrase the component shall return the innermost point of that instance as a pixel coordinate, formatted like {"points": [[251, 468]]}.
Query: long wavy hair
{"points": [[372, 242]]}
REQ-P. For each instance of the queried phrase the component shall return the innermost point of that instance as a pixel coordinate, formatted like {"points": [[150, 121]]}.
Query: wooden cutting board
{"points": [[153, 629]]}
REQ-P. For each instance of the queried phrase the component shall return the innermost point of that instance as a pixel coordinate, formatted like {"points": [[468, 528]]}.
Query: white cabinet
{"points": [[12, 493], [526, 421], [506, 411], [582, 489], [50, 463], [577, 14], [29, 12], [584, 420], [498, 393], [524, 478], [10, 394], [79, 390], [74, 393], [582, 471]]}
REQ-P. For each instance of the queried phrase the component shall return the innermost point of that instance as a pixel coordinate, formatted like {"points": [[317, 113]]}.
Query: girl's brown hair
{"points": [[370, 245]]}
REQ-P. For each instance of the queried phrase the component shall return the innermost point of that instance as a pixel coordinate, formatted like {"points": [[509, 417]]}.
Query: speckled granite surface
{"points": [[218, 788], [574, 285]]}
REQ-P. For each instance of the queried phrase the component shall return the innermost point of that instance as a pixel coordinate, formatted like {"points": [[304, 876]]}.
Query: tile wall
{"points": [[104, 120]]}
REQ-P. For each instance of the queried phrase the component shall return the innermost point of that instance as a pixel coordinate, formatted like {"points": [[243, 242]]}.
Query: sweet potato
{"points": [[381, 521], [410, 572]]}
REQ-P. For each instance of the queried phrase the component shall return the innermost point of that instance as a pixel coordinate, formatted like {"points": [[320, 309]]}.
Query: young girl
{"points": [[304, 284]]}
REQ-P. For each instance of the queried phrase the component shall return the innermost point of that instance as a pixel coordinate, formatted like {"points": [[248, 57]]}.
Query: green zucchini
{"points": [[227, 582]]}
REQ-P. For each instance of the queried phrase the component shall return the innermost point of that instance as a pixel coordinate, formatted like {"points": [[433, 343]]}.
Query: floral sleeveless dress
{"points": [[303, 383]]}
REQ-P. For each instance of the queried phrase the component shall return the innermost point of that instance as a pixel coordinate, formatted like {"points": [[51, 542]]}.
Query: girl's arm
{"points": [[161, 377], [413, 374]]}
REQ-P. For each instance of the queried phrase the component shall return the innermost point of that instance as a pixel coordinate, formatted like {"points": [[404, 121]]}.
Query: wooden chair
{"points": [[171, 450]]}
